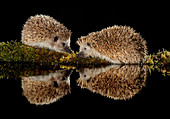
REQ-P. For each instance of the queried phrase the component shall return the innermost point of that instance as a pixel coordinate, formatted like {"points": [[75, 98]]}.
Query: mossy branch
{"points": [[160, 62], [161, 58], [17, 52]]}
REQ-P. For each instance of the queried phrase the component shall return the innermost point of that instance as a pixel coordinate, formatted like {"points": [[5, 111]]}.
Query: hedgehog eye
{"points": [[55, 39], [55, 84], [84, 76], [63, 78], [63, 44], [84, 48]]}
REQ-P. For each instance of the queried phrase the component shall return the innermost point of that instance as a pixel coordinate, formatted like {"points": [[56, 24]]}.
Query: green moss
{"points": [[160, 62], [17, 52], [73, 60], [161, 58]]}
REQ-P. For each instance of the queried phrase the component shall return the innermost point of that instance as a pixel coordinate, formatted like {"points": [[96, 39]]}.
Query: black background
{"points": [[150, 20]]}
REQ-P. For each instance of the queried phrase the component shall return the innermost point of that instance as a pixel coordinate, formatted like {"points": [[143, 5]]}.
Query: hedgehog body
{"points": [[116, 44], [44, 31], [116, 81], [46, 89]]}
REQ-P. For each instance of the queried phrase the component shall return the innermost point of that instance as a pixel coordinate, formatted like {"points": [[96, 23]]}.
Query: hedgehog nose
{"points": [[80, 54], [67, 49]]}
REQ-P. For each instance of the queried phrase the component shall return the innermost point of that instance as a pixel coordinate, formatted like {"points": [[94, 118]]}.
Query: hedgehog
{"points": [[115, 81], [46, 89], [44, 31], [116, 44]]}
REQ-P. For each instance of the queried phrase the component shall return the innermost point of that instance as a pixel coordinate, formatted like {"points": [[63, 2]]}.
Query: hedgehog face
{"points": [[53, 78], [55, 44], [61, 45], [85, 74], [86, 50]]}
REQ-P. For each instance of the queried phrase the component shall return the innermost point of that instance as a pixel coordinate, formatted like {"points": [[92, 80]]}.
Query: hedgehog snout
{"points": [[68, 49], [62, 47], [80, 54]]}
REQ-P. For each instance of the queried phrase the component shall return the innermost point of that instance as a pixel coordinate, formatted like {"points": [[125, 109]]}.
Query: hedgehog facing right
{"points": [[116, 44]]}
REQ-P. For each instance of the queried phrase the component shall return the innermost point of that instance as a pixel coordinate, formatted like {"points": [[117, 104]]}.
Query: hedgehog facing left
{"points": [[44, 31]]}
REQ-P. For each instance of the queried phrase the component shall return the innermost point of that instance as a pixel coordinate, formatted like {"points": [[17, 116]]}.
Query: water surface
{"points": [[36, 88]]}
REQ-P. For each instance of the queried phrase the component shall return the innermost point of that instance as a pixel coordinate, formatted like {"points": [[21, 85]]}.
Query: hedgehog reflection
{"points": [[46, 89], [116, 82]]}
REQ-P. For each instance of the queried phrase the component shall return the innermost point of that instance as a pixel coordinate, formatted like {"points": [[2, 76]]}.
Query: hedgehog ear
{"points": [[55, 39], [76, 43], [88, 44]]}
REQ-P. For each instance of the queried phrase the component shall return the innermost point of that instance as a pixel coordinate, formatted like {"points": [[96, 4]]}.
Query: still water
{"points": [[31, 87]]}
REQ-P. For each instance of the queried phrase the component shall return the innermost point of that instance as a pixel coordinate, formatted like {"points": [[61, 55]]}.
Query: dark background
{"points": [[150, 20]]}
